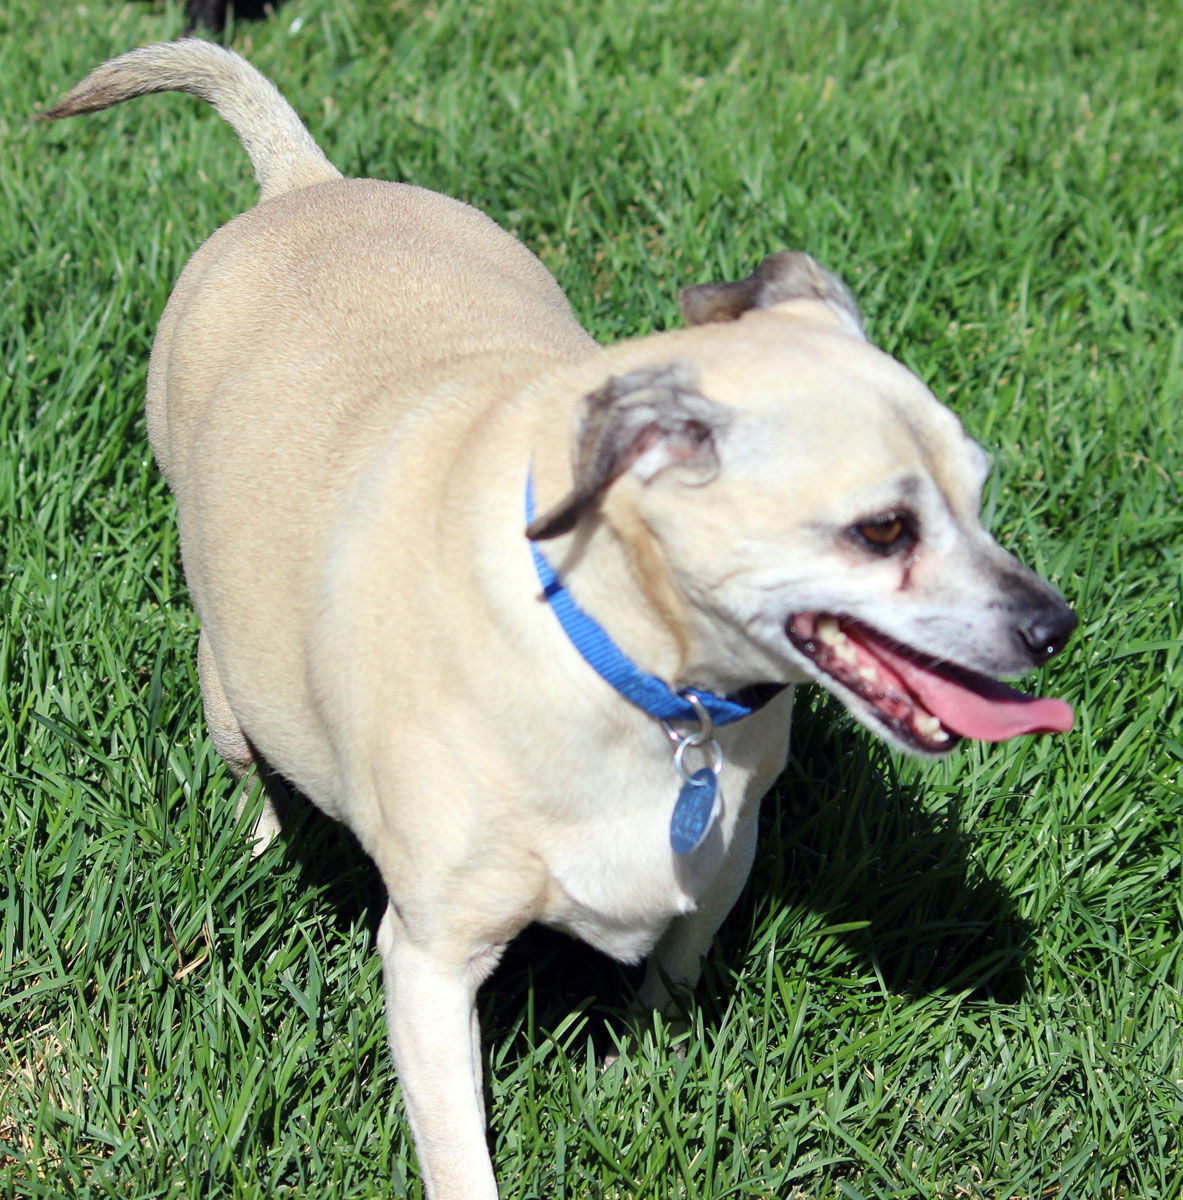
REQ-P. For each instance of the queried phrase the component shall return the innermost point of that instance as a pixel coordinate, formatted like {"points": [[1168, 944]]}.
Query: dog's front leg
{"points": [[676, 961], [434, 1036]]}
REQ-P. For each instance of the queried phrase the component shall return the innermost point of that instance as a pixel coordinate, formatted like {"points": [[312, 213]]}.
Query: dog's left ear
{"points": [[790, 275], [645, 421]]}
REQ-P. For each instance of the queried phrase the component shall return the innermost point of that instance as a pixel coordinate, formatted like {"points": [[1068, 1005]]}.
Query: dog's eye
{"points": [[887, 534], [883, 533]]}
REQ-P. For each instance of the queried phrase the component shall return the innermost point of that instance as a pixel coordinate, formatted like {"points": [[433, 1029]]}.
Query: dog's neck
{"points": [[651, 693]]}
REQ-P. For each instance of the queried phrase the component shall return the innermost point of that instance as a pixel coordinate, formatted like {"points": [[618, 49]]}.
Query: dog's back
{"points": [[266, 342], [265, 298]]}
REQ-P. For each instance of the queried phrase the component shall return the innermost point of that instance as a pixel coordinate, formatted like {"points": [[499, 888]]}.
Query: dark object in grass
{"points": [[212, 13]]}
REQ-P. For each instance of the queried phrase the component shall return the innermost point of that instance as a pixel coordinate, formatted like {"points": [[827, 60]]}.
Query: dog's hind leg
{"points": [[431, 1018], [232, 744]]}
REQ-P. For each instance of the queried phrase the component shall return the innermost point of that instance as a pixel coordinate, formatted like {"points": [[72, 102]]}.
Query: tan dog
{"points": [[351, 388]]}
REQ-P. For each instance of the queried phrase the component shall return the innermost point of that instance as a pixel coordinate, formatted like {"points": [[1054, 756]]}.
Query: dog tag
{"points": [[695, 811]]}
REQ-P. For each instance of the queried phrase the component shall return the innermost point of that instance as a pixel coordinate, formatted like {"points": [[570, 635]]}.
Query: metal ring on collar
{"points": [[706, 726], [712, 752]]}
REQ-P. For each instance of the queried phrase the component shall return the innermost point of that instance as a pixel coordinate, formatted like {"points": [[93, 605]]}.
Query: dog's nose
{"points": [[1047, 631]]}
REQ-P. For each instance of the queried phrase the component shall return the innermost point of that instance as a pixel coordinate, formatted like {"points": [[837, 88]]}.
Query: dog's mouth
{"points": [[928, 704]]}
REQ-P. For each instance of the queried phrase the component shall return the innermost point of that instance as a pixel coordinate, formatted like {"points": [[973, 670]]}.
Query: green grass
{"points": [[949, 981]]}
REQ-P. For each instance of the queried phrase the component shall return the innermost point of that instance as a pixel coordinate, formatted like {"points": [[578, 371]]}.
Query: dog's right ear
{"points": [[790, 275], [645, 421]]}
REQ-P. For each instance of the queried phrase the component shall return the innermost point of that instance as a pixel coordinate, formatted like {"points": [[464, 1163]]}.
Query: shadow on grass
{"points": [[859, 845], [329, 858], [841, 835]]}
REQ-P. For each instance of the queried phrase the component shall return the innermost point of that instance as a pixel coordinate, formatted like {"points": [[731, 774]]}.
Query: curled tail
{"points": [[281, 150]]}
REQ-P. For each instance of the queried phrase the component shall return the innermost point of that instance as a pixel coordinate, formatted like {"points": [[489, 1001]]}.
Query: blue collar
{"points": [[650, 694]]}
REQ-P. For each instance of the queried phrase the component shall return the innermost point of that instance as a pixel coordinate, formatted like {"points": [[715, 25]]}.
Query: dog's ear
{"points": [[645, 421], [790, 275]]}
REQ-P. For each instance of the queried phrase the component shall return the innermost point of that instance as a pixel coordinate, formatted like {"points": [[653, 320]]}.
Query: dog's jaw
{"points": [[874, 694], [921, 705]]}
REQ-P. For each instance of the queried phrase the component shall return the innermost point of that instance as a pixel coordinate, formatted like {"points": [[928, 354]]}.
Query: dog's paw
{"points": [[272, 804]]}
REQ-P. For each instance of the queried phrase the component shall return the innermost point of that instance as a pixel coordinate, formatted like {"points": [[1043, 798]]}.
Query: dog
{"points": [[362, 392]]}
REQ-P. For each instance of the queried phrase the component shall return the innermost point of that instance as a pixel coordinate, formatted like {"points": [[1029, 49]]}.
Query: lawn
{"points": [[954, 980]]}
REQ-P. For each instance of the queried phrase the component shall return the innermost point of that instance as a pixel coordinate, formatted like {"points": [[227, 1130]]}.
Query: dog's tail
{"points": [[281, 150]]}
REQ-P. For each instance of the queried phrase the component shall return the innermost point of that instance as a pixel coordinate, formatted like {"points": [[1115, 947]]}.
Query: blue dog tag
{"points": [[695, 811]]}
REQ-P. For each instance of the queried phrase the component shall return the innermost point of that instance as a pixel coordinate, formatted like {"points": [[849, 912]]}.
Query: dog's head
{"points": [[816, 509]]}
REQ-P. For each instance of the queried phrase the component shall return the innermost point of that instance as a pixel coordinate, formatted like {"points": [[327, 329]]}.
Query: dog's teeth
{"points": [[868, 674], [845, 651], [829, 633], [930, 727]]}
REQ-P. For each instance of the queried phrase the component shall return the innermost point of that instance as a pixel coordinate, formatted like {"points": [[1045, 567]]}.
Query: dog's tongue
{"points": [[978, 707]]}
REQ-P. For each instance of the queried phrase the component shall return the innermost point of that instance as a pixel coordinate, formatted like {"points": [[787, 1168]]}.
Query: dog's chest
{"points": [[616, 880]]}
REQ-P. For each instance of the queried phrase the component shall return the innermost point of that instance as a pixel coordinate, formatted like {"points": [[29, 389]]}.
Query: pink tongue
{"points": [[990, 711]]}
